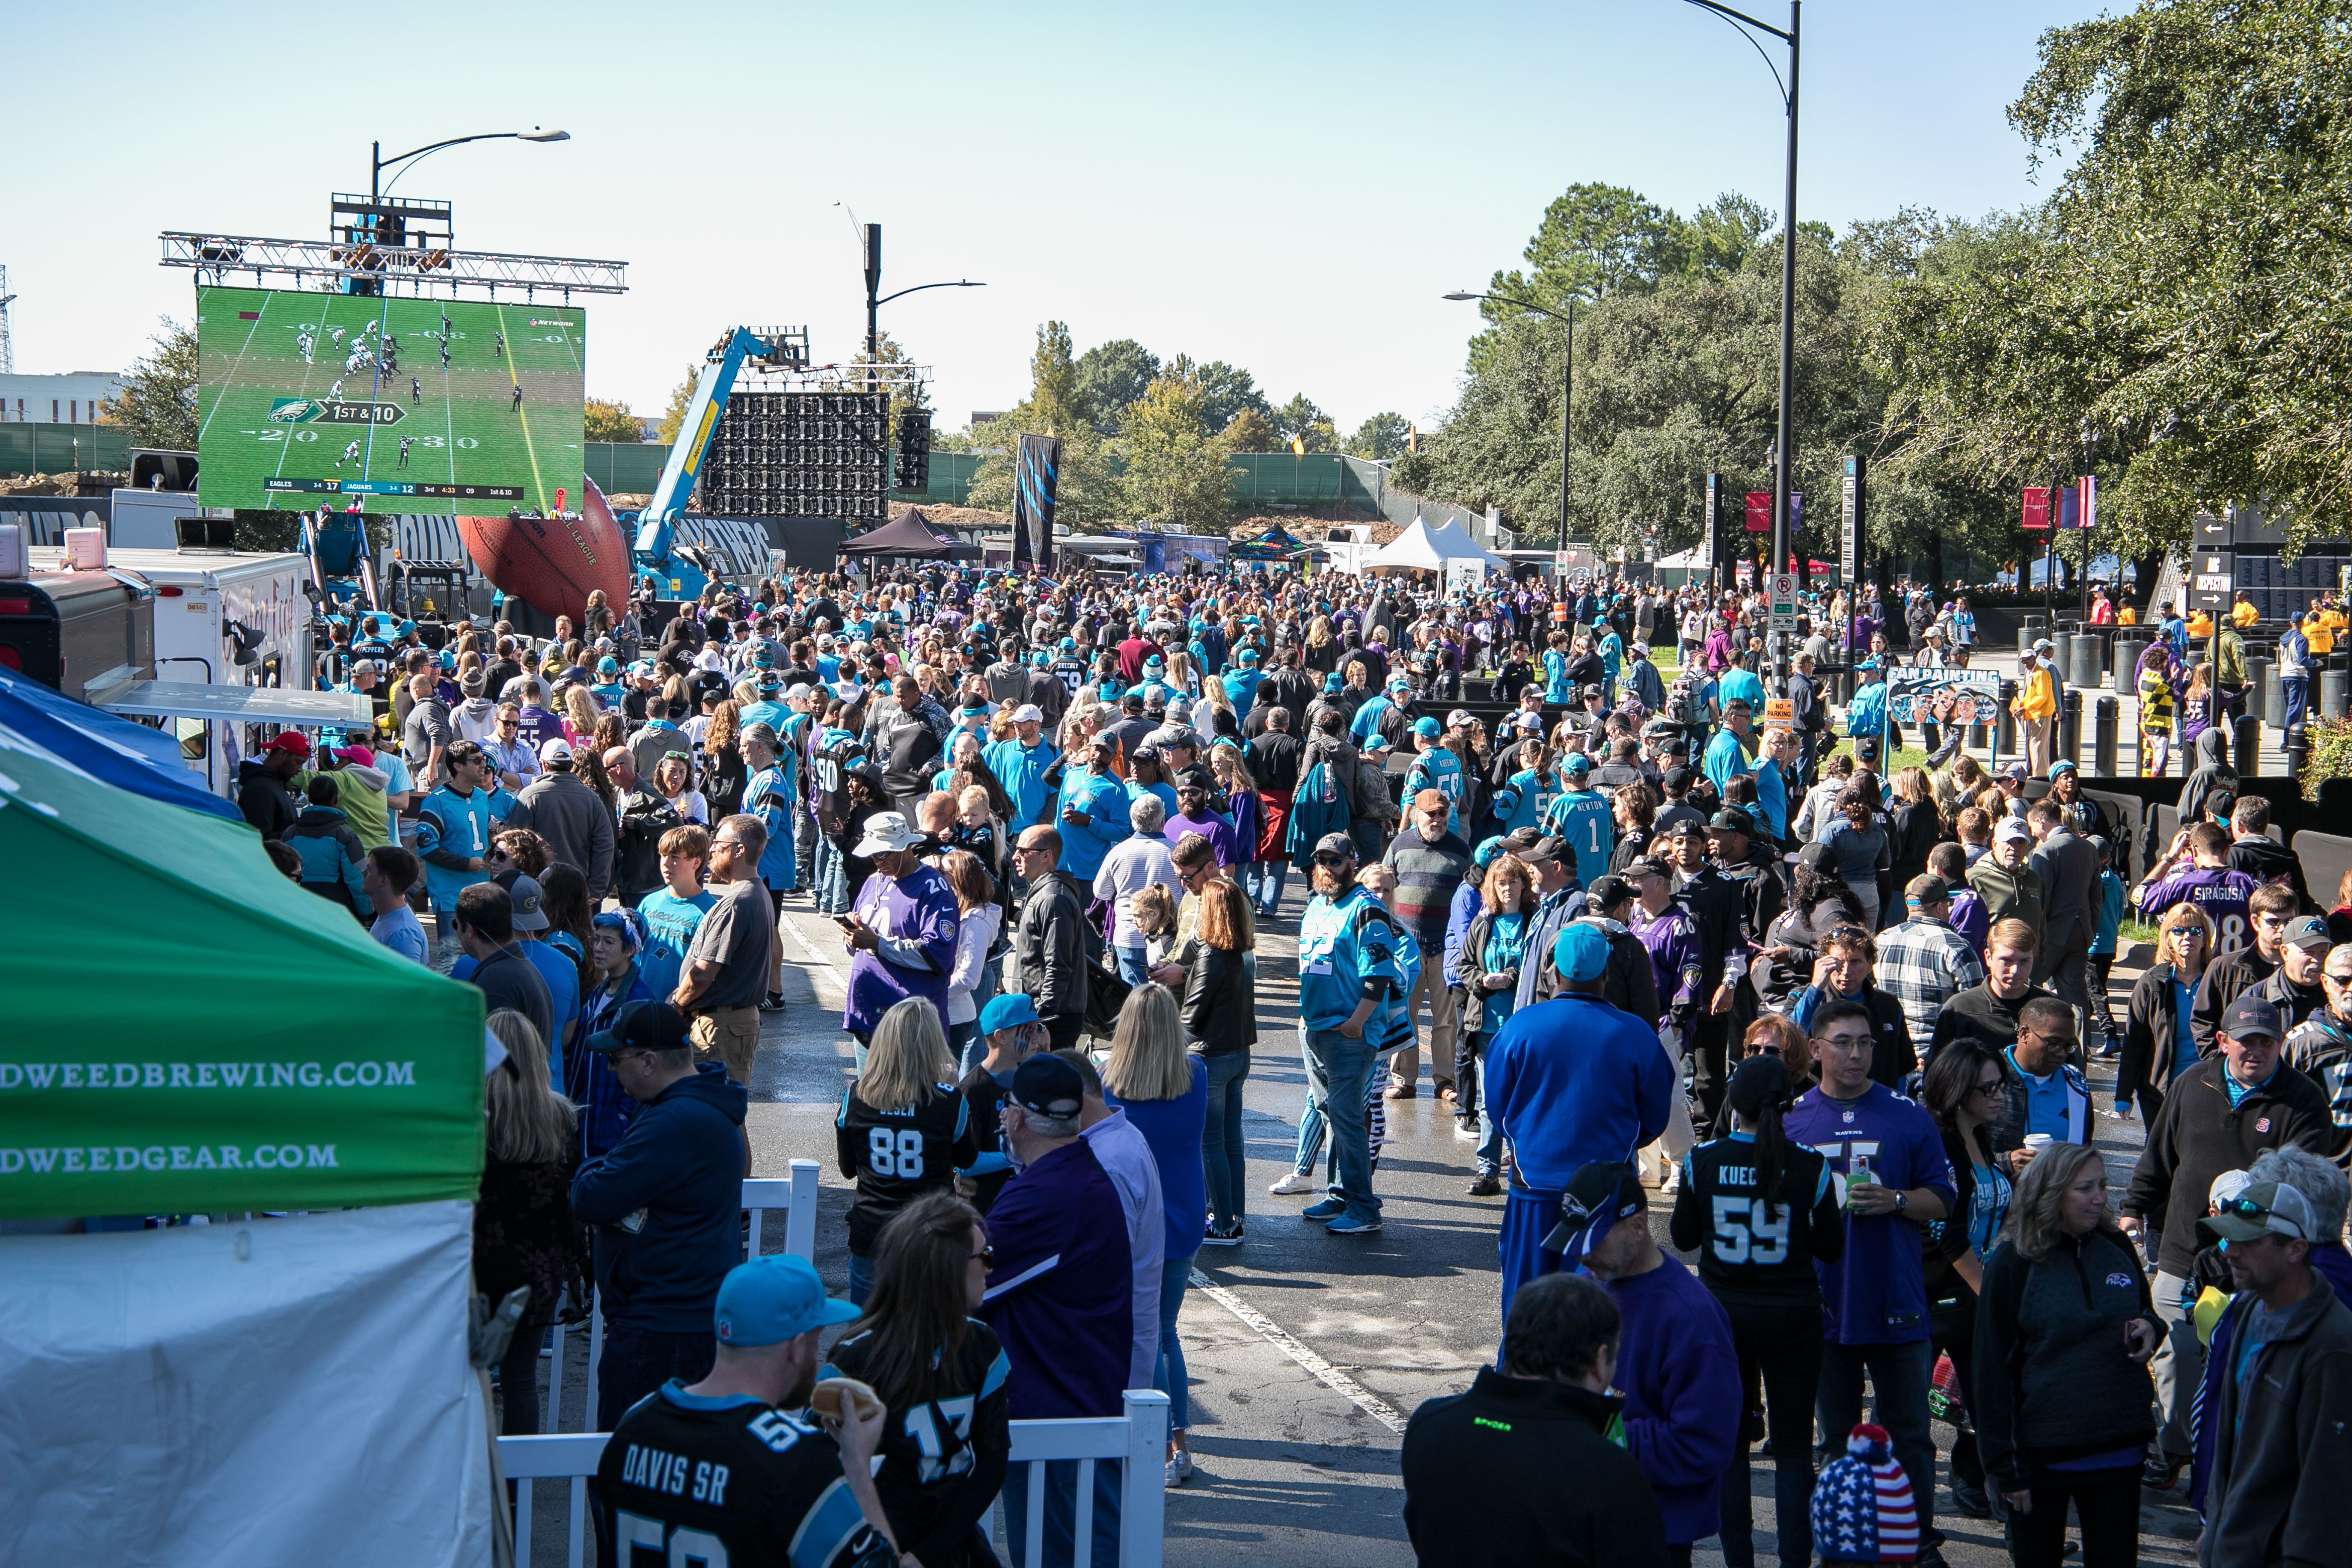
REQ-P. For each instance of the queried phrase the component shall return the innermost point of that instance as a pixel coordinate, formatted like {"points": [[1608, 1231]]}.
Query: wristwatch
{"points": [[1901, 1201]]}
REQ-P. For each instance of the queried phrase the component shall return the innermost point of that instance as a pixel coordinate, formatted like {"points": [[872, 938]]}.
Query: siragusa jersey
{"points": [[897, 1157], [711, 1481]]}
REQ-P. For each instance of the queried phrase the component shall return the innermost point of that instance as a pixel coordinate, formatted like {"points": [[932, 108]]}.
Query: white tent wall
{"points": [[287, 1390], [1454, 543]]}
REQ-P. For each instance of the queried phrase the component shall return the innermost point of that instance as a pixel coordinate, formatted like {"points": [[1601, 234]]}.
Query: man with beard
{"points": [[1348, 971]]}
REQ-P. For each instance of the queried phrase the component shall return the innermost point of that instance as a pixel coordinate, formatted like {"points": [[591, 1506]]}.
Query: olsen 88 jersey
{"points": [[897, 1157]]}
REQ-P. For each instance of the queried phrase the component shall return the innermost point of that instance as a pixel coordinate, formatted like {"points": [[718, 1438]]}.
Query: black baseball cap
{"points": [[1597, 1196], [1731, 820], [1337, 846], [1551, 847], [1048, 1085], [1815, 857], [1680, 779], [1609, 889], [650, 1026]]}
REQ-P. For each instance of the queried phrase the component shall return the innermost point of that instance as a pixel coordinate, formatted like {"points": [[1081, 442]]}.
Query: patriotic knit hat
{"points": [[1862, 1508]]}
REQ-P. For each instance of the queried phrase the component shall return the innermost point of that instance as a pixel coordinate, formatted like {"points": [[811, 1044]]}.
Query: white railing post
{"points": [[1142, 1506], [800, 1220]]}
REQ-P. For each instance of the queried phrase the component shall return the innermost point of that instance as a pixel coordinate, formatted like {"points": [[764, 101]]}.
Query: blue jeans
{"points": [[1171, 1378], [1337, 1069], [1898, 1384], [961, 1040], [1264, 880], [2294, 691], [1223, 1163], [1061, 1511], [861, 1279], [832, 878], [1131, 966], [1489, 1152]]}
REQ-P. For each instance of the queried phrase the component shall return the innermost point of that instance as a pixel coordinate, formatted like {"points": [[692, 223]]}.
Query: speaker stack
{"points": [[800, 454]]}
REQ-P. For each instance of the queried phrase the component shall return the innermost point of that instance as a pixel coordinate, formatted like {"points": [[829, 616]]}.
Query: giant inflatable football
{"points": [[553, 563]]}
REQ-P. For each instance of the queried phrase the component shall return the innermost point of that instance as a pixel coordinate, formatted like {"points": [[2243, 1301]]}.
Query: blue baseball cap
{"points": [[1249, 656], [1576, 763], [1483, 856], [1332, 682], [608, 665], [1582, 952], [1007, 1010], [1428, 727], [1069, 645], [1038, 659], [1399, 683], [774, 1298]]}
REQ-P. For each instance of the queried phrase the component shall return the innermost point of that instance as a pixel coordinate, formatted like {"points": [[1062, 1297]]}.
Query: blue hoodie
{"points": [[679, 1172], [1574, 1080]]}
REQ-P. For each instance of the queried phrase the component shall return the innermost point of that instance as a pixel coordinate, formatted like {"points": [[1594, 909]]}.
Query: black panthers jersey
{"points": [[984, 1099], [943, 1459], [1749, 1251], [720, 1482], [897, 1157]]}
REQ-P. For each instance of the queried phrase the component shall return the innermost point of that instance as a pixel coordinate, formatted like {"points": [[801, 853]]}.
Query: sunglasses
{"points": [[1989, 1086], [985, 1254]]}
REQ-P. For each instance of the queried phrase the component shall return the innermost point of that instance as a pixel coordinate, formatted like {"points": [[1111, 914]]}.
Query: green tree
{"points": [[1175, 465], [1301, 422], [674, 417], [1251, 432], [610, 421], [1112, 375], [158, 405], [1382, 435], [1227, 390], [1086, 497]]}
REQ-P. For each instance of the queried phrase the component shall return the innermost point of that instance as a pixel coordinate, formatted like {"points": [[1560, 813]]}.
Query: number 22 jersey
{"points": [[697, 1478]]}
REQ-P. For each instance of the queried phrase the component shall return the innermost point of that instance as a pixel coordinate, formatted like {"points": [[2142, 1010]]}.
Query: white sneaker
{"points": [[1296, 1182], [1178, 1470], [1672, 1182]]}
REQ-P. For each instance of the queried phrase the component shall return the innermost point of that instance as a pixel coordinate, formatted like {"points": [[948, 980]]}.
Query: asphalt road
{"points": [[1306, 1350]]}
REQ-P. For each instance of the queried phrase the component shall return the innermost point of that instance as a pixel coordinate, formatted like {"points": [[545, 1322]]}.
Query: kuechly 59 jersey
{"points": [[1756, 1247]]}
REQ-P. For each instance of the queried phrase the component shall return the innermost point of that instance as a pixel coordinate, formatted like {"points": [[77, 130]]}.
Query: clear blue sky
{"points": [[1289, 187]]}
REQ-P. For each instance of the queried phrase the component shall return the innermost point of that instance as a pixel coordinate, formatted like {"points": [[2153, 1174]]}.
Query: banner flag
{"points": [[1038, 472], [2037, 507]]}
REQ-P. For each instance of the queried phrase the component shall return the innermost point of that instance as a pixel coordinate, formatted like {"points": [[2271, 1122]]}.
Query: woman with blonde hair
{"points": [[1165, 1090], [2158, 1047], [2065, 1327], [1493, 951], [902, 1132], [724, 772], [1220, 1011], [524, 1233], [580, 716]]}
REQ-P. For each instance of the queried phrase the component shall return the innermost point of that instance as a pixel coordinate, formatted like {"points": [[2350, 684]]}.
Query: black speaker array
{"points": [[800, 454]]}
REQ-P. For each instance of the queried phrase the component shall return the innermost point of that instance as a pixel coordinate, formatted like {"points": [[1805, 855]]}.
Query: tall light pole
{"points": [[1566, 387], [873, 302], [1784, 445], [378, 162]]}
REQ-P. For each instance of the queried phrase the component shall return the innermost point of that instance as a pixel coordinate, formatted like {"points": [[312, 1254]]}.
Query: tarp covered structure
{"points": [[184, 1032], [131, 756], [910, 534], [1275, 543], [1425, 549]]}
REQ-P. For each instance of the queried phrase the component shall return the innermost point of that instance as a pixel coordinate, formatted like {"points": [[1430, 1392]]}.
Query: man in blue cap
{"points": [[732, 1467], [1569, 1081]]}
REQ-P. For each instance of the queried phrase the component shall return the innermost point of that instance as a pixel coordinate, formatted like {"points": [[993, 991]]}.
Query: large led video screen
{"points": [[405, 405]]}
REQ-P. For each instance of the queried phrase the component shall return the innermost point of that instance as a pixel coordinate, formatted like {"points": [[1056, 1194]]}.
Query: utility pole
{"points": [[1567, 405], [1785, 444], [873, 301]]}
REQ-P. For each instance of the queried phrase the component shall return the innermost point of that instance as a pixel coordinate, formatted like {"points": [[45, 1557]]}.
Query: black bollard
{"points": [[2298, 751], [2007, 745], [2248, 734], [2105, 726], [2069, 743]]}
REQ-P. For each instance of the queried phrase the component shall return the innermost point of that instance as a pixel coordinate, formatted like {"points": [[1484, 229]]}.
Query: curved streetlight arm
{"points": [[1567, 386], [1741, 20], [918, 288], [1521, 304], [379, 164]]}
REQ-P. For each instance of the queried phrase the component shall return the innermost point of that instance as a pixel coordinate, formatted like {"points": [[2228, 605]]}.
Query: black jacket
{"points": [[1977, 1014], [1220, 1006], [267, 804], [2198, 1134], [914, 754], [2148, 1023], [645, 817], [1049, 949], [2053, 1381], [2226, 979], [2267, 862], [1521, 1470]]}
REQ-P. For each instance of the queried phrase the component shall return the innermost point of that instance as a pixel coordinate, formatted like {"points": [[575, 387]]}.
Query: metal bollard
{"points": [[2248, 736], [2006, 743], [2334, 686], [2087, 661], [2274, 697], [2069, 743], [2105, 727], [2298, 751], [2262, 691]]}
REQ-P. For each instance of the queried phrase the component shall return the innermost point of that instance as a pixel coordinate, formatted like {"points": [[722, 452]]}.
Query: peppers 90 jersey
{"points": [[718, 1481]]}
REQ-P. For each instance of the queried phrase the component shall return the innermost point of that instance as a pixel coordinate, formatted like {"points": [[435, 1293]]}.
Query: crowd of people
{"points": [[1690, 957]]}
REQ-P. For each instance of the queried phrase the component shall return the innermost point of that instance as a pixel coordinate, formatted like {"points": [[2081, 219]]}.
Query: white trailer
{"points": [[223, 618]]}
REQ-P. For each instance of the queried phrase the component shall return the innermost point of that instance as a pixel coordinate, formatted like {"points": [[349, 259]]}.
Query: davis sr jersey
{"points": [[730, 1480], [942, 1457], [897, 1157]]}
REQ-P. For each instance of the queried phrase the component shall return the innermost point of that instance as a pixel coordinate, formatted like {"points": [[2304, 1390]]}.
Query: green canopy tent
{"points": [[189, 1032]]}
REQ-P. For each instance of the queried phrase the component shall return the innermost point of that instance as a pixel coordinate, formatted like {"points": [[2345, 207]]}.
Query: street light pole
{"points": [[378, 162], [1566, 390], [1784, 446]]}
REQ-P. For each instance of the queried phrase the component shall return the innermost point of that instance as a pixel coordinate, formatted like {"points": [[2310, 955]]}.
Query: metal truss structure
{"points": [[332, 267]]}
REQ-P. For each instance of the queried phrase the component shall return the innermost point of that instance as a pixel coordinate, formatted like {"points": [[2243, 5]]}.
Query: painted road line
{"points": [[1330, 1376]]}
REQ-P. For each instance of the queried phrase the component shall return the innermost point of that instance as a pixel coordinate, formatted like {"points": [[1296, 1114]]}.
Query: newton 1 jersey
{"points": [[718, 1481], [1586, 820]]}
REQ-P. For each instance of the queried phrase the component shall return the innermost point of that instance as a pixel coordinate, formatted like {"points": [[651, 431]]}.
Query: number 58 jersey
{"points": [[1757, 1249], [897, 1157], [717, 1481]]}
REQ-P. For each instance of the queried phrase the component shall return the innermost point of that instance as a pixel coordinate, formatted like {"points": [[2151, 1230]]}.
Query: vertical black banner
{"points": [[1036, 471]]}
